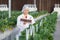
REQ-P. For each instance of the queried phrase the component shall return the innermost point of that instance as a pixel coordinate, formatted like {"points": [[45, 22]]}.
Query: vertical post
{"points": [[9, 8], [27, 34], [35, 2]]}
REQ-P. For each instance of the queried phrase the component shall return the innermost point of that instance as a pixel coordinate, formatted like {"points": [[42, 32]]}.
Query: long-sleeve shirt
{"points": [[21, 25]]}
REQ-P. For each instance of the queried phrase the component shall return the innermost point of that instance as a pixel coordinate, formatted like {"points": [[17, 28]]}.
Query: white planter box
{"points": [[57, 10], [3, 7]]}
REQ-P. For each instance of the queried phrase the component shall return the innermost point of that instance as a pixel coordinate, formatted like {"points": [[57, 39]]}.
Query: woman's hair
{"points": [[24, 7]]}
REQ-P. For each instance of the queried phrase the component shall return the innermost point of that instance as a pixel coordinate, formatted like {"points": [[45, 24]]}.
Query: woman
{"points": [[23, 21]]}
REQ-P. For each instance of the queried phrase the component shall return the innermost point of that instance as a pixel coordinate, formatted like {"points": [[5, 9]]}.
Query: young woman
{"points": [[23, 21]]}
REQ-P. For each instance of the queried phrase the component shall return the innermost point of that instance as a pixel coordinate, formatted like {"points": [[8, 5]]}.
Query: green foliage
{"points": [[6, 22], [45, 30], [37, 14]]}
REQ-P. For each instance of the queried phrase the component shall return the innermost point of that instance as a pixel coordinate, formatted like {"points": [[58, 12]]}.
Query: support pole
{"points": [[9, 8], [35, 2]]}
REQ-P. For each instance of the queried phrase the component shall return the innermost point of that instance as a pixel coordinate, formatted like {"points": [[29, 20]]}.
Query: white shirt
{"points": [[21, 25]]}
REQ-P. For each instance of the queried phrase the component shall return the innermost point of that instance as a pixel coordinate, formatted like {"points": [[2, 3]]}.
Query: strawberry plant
{"points": [[46, 29], [46, 26], [11, 22]]}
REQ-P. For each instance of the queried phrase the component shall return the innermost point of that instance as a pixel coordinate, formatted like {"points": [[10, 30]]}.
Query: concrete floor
{"points": [[57, 32]]}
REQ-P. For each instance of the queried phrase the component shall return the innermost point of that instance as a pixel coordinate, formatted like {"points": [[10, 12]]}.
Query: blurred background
{"points": [[41, 4]]}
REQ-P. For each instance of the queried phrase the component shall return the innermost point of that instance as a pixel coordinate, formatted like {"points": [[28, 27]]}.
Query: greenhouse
{"points": [[29, 19]]}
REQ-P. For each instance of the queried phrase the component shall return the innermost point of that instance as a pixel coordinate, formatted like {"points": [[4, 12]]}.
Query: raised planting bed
{"points": [[9, 23], [44, 28]]}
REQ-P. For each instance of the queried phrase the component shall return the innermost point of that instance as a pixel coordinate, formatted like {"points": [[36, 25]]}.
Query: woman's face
{"points": [[25, 11]]}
